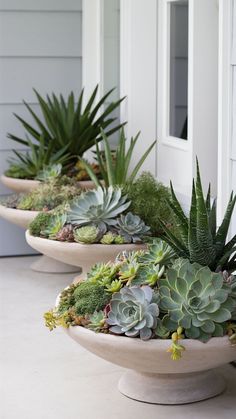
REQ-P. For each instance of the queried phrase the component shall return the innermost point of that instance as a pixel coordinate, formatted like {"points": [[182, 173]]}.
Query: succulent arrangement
{"points": [[196, 237], [68, 129], [115, 165], [56, 191], [151, 295], [96, 216]]}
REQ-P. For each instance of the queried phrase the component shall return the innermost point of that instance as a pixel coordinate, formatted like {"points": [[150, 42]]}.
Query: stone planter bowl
{"points": [[23, 218], [83, 255], [152, 376], [27, 185]]}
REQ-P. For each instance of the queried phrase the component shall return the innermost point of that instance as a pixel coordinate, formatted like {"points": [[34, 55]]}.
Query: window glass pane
{"points": [[178, 84]]}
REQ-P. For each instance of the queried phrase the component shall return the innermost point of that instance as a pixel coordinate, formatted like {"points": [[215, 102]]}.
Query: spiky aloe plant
{"points": [[73, 128], [101, 206], [196, 236]]}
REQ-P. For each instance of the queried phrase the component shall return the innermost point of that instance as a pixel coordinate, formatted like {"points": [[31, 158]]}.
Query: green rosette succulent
{"points": [[87, 234], [133, 313], [196, 299], [132, 228], [55, 224], [159, 253]]}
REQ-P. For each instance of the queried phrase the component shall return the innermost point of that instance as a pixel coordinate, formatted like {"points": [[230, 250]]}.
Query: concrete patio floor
{"points": [[46, 375]]}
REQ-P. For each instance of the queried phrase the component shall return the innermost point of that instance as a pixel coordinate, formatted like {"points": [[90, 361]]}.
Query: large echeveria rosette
{"points": [[196, 299]]}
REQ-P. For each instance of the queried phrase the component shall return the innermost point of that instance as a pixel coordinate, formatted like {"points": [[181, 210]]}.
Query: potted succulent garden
{"points": [[21, 209], [169, 317], [67, 131], [96, 226]]}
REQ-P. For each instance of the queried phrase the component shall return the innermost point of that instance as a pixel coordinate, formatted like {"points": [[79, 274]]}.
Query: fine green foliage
{"points": [[148, 200], [39, 223], [115, 166], [68, 129], [98, 206], [89, 298], [133, 313], [195, 299], [132, 228], [197, 237], [48, 195], [29, 164]]}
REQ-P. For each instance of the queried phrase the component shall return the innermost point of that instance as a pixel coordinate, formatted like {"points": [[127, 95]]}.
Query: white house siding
{"points": [[40, 47]]}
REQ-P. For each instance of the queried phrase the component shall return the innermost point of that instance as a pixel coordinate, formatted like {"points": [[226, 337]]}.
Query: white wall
{"points": [[40, 46]]}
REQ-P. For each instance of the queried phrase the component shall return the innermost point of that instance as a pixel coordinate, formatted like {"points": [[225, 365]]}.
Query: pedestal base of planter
{"points": [[49, 265], [171, 388]]}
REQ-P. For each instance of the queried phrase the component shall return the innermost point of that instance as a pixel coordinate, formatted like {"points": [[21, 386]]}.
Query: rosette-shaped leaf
{"points": [[196, 299], [88, 234], [55, 224], [132, 228], [158, 252], [133, 313], [98, 206]]}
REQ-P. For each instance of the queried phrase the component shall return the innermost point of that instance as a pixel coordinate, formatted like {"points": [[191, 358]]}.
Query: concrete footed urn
{"points": [[76, 254], [152, 376], [19, 185], [23, 218]]}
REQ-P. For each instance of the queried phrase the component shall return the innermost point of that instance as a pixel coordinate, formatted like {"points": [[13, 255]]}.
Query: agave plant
{"points": [[195, 299], [197, 237], [68, 126], [41, 156], [115, 166], [132, 228], [101, 207], [133, 313]]}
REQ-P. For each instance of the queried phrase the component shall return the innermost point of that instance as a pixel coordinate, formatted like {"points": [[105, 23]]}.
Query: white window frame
{"points": [[165, 138], [176, 157], [225, 105]]}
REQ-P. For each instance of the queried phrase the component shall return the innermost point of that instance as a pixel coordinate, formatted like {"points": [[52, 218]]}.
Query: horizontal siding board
{"points": [[14, 242], [10, 124], [19, 75], [62, 33], [59, 5]]}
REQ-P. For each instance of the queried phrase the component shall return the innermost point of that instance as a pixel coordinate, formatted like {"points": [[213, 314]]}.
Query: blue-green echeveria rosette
{"points": [[196, 299], [133, 313]]}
